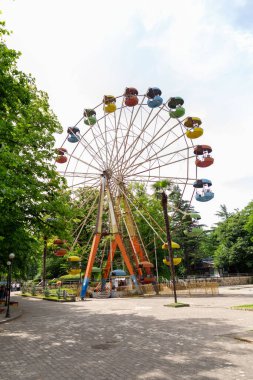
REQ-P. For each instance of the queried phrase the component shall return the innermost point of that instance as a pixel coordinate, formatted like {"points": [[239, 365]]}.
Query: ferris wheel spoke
{"points": [[154, 178], [146, 145], [128, 149], [140, 213], [112, 143], [98, 151], [146, 125], [88, 164], [115, 140], [79, 174], [90, 183], [156, 158], [129, 123], [92, 208], [88, 148], [102, 137], [135, 173], [137, 156]]}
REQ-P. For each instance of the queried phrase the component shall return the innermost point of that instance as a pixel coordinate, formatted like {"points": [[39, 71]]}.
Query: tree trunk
{"points": [[44, 260]]}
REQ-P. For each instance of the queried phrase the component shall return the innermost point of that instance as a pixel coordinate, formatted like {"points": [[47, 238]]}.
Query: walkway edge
{"points": [[12, 318]]}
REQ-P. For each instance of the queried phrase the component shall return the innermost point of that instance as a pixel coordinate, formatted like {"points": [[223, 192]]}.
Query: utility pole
{"points": [[167, 226]]}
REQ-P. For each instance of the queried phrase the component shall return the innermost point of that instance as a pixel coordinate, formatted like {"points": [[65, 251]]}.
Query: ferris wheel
{"points": [[129, 139]]}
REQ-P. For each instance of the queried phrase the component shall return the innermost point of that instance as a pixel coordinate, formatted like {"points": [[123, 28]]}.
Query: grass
{"points": [[53, 295], [243, 307], [50, 298], [177, 304]]}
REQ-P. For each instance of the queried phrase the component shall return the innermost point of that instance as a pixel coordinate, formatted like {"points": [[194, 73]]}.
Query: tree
{"points": [[186, 229], [223, 212], [234, 251], [30, 187], [160, 189]]}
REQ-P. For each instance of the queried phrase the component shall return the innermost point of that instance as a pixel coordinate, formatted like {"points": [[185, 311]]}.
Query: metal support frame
{"points": [[117, 239]]}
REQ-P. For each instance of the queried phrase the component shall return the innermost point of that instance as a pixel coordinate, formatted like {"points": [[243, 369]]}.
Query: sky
{"points": [[201, 50]]}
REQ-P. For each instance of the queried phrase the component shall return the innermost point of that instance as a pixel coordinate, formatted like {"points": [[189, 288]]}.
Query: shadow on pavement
{"points": [[64, 341]]}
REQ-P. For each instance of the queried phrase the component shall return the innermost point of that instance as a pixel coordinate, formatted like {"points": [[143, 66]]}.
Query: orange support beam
{"points": [[92, 255], [110, 259], [122, 248], [88, 271]]}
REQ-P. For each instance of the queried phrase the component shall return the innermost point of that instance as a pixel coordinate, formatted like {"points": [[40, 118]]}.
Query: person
{"points": [[18, 286]]}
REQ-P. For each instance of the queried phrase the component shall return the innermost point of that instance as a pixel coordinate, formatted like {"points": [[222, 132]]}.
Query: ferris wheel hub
{"points": [[108, 173]]}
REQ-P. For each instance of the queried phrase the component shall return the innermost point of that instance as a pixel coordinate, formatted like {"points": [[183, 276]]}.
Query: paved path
{"points": [[128, 339]]}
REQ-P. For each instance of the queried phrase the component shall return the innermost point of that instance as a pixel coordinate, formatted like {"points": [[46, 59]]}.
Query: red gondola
{"points": [[205, 158], [131, 101], [61, 252]]}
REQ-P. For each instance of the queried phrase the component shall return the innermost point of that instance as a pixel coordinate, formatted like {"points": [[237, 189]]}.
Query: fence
{"points": [[52, 291], [182, 288]]}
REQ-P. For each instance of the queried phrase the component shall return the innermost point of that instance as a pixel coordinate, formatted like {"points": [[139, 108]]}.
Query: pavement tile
{"points": [[129, 339]]}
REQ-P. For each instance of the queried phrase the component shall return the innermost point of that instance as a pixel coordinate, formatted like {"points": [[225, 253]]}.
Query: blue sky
{"points": [[201, 50]]}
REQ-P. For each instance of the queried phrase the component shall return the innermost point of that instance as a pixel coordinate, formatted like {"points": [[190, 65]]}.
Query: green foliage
{"points": [[58, 293], [182, 218], [232, 241], [31, 190], [33, 290], [69, 277], [46, 292]]}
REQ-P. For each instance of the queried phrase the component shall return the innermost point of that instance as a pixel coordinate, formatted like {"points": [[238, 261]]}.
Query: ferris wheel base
{"points": [[84, 288], [86, 282], [134, 279]]}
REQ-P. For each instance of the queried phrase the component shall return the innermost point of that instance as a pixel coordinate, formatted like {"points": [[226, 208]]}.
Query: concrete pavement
{"points": [[134, 338]]}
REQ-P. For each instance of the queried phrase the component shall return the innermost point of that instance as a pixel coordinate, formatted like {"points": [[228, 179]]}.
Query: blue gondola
{"points": [[155, 102], [204, 193], [73, 134], [118, 272]]}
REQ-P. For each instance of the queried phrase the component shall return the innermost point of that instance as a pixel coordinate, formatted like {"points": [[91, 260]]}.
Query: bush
{"points": [[58, 293], [46, 292], [24, 288], [52, 282], [33, 290], [69, 277]]}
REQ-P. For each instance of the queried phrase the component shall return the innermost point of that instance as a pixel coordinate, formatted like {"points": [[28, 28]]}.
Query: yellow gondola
{"points": [[109, 103], [173, 245], [74, 271], [74, 258], [192, 122], [176, 261], [194, 133]]}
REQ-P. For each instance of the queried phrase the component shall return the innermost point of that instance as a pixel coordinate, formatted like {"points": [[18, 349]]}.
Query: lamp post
{"points": [[9, 263]]}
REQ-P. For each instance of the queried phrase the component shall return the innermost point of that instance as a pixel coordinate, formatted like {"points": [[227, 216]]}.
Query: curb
{"points": [[47, 299], [11, 318]]}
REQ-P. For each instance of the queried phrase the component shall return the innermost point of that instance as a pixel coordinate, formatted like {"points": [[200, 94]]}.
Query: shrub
{"points": [[46, 292], [58, 293], [69, 277], [33, 290]]}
